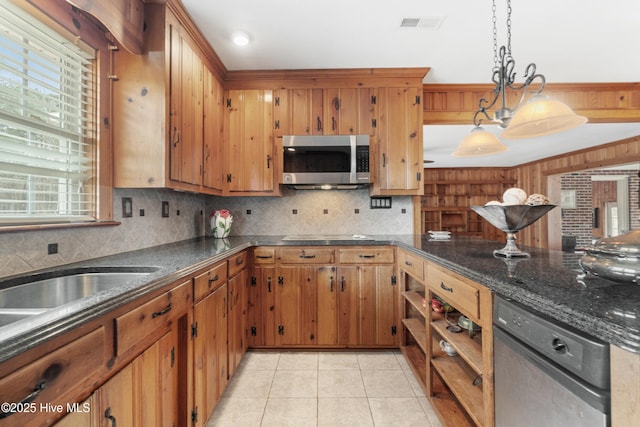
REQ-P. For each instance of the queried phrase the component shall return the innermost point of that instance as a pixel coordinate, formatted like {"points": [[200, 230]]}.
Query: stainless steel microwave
{"points": [[323, 161]]}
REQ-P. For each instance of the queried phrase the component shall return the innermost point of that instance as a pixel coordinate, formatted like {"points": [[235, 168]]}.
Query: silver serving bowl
{"points": [[512, 219], [615, 258]]}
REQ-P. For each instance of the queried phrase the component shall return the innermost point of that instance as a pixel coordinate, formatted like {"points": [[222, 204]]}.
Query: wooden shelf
{"points": [[470, 349], [418, 331], [417, 362], [415, 299], [459, 378], [446, 407]]}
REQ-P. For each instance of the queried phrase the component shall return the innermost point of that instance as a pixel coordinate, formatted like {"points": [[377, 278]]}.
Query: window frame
{"points": [[75, 24]]}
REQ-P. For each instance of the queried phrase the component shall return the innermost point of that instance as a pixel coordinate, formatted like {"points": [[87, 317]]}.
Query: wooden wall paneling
{"points": [[600, 102]]}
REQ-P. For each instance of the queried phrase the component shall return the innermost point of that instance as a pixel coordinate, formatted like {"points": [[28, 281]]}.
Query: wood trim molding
{"points": [[600, 102]]}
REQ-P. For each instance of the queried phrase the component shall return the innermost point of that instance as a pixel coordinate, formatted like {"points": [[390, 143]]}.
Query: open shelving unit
{"points": [[449, 194], [459, 387]]}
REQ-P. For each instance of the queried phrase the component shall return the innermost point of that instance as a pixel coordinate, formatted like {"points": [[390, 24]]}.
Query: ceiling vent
{"points": [[425, 22]]}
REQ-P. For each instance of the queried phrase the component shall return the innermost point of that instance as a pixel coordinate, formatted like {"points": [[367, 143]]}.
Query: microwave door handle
{"points": [[352, 169]]}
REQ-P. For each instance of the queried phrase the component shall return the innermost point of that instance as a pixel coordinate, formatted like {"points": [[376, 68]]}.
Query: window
{"points": [[47, 123]]}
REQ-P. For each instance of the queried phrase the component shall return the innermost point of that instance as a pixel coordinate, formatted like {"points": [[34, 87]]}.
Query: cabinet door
{"points": [[399, 150], [348, 111], [250, 158], [156, 383], [237, 320], [327, 289], [378, 305], [262, 306], [210, 352], [116, 399], [306, 111], [186, 116], [295, 305], [348, 305], [213, 138]]}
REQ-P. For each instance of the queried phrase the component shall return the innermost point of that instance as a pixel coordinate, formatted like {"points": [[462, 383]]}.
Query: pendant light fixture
{"points": [[536, 117]]}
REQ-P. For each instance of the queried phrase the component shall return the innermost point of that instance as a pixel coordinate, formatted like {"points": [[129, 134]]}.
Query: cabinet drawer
{"points": [[237, 263], [307, 255], [54, 379], [153, 317], [412, 264], [370, 255], [208, 282], [455, 291], [264, 255]]}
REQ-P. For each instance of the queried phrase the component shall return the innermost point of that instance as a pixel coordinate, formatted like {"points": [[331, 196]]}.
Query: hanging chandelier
{"points": [[537, 116]]}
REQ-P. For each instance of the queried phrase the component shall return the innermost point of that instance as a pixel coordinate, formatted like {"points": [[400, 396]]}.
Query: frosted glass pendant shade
{"points": [[542, 116], [479, 143]]}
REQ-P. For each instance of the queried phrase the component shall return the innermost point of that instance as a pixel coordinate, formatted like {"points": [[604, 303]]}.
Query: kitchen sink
{"points": [[42, 292]]}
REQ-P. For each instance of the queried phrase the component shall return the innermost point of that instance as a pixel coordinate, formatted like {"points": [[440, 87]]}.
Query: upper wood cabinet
{"points": [[332, 111], [399, 142], [249, 159], [167, 111]]}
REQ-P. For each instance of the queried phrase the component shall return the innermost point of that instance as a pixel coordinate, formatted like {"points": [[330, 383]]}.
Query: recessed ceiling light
{"points": [[240, 38]]}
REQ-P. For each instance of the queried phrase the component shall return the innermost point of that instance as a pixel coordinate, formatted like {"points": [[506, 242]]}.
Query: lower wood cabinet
{"points": [[304, 298], [145, 392], [53, 380]]}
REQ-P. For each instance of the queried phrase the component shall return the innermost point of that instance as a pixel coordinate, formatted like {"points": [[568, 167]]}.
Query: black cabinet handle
{"points": [[268, 284], [307, 256], [331, 284], [342, 284], [408, 263], [443, 286], [264, 256], [319, 124], [367, 256], [268, 161], [239, 261], [28, 399], [214, 279], [161, 312], [107, 415]]}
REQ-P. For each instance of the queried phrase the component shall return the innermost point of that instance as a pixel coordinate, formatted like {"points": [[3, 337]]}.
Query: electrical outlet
{"points": [[165, 209], [52, 248]]}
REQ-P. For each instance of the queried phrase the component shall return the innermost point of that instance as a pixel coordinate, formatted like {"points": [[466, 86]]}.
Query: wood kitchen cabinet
{"points": [[399, 149], [329, 111], [459, 387], [209, 338], [145, 392], [238, 293], [249, 155], [311, 299], [160, 101], [367, 297]]}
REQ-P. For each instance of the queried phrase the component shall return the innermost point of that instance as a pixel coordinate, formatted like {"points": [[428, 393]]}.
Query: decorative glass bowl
{"points": [[512, 219]]}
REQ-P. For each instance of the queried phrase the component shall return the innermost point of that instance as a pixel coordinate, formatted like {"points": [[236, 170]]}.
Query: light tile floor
{"points": [[321, 389]]}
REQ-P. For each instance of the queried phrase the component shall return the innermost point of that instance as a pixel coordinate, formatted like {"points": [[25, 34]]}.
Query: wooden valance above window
{"points": [[123, 18]]}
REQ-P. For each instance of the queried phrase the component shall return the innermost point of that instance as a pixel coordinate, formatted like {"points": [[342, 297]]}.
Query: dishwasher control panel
{"points": [[570, 348]]}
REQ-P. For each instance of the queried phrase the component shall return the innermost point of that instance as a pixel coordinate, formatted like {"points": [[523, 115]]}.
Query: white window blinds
{"points": [[47, 123]]}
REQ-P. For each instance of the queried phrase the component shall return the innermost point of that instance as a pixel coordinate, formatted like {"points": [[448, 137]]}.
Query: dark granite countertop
{"points": [[545, 282]]}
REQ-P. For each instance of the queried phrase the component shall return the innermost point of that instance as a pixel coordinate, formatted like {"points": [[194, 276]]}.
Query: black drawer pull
{"points": [[161, 312], [367, 256], [28, 399], [264, 256], [214, 279], [443, 286], [107, 415], [239, 261], [410, 264], [307, 256]]}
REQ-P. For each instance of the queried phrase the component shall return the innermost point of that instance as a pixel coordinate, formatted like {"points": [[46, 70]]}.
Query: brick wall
{"points": [[578, 222]]}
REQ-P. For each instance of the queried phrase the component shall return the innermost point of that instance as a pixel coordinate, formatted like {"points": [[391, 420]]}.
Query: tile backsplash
{"points": [[297, 212], [315, 212]]}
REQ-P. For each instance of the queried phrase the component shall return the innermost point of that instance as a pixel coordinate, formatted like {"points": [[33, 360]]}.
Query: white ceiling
{"points": [[568, 40]]}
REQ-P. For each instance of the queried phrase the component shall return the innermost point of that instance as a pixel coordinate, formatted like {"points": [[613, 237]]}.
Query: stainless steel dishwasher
{"points": [[547, 373]]}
